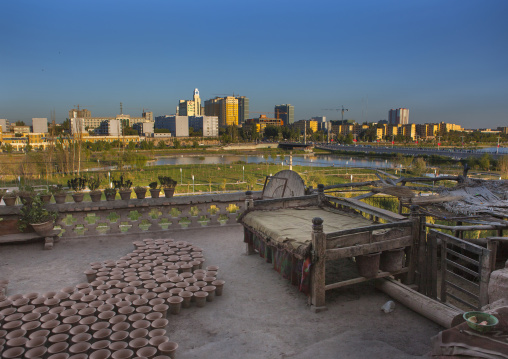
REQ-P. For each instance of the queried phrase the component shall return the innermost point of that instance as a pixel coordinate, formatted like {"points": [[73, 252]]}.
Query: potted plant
{"points": [[140, 192], [168, 184], [26, 194], [45, 195], [37, 216], [58, 193], [124, 187], [94, 182], [78, 184], [110, 194], [154, 191], [10, 198]]}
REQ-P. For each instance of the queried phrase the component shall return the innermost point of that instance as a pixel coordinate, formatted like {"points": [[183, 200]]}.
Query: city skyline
{"points": [[444, 61]]}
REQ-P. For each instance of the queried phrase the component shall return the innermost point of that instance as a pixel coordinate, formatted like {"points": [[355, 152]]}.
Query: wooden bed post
{"points": [[317, 269], [249, 204]]}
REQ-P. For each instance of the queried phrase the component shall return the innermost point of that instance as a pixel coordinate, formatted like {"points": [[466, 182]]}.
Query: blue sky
{"points": [[445, 60]]}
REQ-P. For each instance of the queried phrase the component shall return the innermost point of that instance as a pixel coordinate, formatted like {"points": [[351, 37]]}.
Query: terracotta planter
{"points": [[210, 289], [96, 195], [140, 194], [169, 192], [157, 340], [155, 193], [80, 348], [78, 197], [10, 200], [147, 352], [168, 348], [175, 304], [58, 347], [37, 352], [125, 194], [123, 354], [200, 298], [100, 354], [16, 352], [110, 196], [46, 198], [26, 199], [60, 197], [219, 284], [43, 229]]}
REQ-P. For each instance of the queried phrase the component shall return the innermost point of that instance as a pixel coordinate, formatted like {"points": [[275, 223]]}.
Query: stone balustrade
{"points": [[150, 217]]}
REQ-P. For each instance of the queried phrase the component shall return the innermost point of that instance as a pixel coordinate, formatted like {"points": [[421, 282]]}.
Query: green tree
{"points": [[176, 144], [7, 148], [20, 123], [161, 145], [418, 166], [484, 162], [272, 132]]}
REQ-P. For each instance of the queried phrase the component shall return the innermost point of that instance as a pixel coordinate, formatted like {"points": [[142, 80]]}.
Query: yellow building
{"points": [[264, 121], [225, 108]]}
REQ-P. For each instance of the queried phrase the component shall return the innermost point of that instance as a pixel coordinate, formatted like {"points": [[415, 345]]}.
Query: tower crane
{"points": [[337, 109]]}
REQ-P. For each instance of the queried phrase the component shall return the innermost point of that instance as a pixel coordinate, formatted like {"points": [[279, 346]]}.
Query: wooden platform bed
{"points": [[300, 234]]}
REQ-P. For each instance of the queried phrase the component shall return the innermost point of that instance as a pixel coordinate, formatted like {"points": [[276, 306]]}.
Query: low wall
{"points": [[152, 217]]}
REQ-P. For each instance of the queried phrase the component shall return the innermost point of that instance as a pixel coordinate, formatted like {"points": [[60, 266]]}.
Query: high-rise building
{"points": [[5, 125], [286, 113], [177, 125], [190, 107], [39, 125], [226, 108], [243, 109], [398, 116], [208, 124]]}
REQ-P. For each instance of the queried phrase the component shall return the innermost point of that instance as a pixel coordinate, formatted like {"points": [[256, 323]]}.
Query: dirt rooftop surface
{"points": [[259, 315]]}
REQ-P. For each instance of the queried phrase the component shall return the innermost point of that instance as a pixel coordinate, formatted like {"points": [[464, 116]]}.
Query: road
{"points": [[455, 154]]}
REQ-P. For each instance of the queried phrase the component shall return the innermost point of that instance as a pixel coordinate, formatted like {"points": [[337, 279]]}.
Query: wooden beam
{"points": [[363, 249], [478, 227], [374, 227], [437, 312], [358, 205], [317, 269], [363, 279]]}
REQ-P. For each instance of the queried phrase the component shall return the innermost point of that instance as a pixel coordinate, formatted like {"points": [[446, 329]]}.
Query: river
{"points": [[304, 160]]}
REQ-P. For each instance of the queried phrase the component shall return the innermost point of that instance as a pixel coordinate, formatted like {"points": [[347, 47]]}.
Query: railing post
{"points": [[321, 193], [249, 200], [317, 269]]}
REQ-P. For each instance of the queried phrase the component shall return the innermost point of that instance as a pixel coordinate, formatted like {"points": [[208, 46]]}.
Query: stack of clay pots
{"points": [[121, 311]]}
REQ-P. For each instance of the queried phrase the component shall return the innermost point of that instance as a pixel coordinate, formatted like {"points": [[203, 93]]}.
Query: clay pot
{"points": [[210, 289], [62, 328], [168, 348], [30, 327], [117, 336], [102, 334], [100, 354], [155, 193], [79, 348], [49, 324], [36, 342], [147, 352], [117, 319], [219, 284], [187, 296], [87, 312], [160, 323], [88, 320], [135, 317], [157, 340], [73, 319], [125, 195], [101, 344], [122, 326], [119, 345], [99, 325], [144, 309], [59, 356], [96, 195], [60, 197], [175, 304], [79, 306], [16, 352], [83, 337], [91, 275], [144, 324], [16, 342], [78, 329], [123, 354], [58, 347], [37, 352], [57, 338], [39, 333], [138, 333]]}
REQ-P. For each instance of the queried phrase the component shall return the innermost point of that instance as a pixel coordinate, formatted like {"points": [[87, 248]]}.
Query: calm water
{"points": [[306, 160]]}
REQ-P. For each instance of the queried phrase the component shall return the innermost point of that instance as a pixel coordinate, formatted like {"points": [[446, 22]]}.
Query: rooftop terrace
{"points": [[260, 315]]}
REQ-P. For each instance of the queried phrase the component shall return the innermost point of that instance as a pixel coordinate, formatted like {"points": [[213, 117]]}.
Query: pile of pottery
{"points": [[121, 312]]}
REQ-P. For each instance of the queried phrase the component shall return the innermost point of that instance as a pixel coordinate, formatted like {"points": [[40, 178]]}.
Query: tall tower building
{"points": [[286, 113], [398, 116], [243, 109], [190, 107], [39, 125]]}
